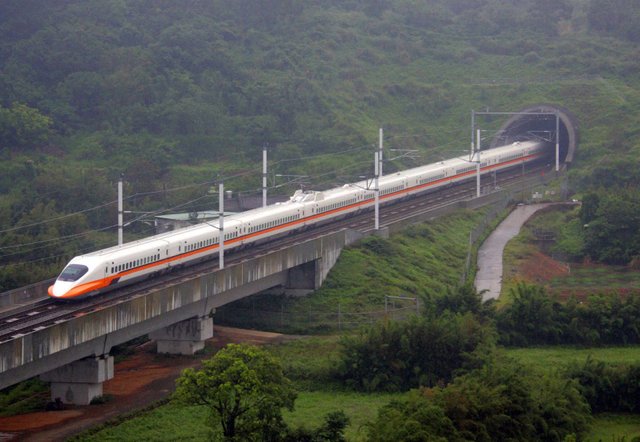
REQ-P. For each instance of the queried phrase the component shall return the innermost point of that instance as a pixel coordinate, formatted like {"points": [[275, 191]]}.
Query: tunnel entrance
{"points": [[519, 127]]}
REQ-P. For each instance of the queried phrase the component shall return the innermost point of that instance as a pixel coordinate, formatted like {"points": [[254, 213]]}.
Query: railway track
{"points": [[45, 312]]}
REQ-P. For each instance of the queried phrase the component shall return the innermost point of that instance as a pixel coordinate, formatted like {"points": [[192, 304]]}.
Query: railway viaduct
{"points": [[73, 354]]}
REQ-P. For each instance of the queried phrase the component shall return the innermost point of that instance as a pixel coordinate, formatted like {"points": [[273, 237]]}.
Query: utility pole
{"points": [[478, 165], [557, 141], [380, 151], [376, 191], [264, 175], [473, 130], [221, 223], [120, 210]]}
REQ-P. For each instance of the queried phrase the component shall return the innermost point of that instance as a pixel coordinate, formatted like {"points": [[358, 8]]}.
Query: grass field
{"points": [[546, 359], [314, 358], [591, 278], [606, 427], [173, 422], [311, 407], [614, 428]]}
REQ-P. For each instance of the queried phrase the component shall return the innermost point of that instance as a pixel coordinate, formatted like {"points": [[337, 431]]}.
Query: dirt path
{"points": [[139, 381]]}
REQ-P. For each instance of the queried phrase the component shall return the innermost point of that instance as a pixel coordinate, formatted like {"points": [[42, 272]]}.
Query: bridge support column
{"points": [[81, 381], [184, 338], [304, 279]]}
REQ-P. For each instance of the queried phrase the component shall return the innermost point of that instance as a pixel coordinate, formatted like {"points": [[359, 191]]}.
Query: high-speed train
{"points": [[106, 269]]}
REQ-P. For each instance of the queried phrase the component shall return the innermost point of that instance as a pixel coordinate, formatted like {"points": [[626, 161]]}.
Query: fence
{"points": [[307, 321], [479, 231]]}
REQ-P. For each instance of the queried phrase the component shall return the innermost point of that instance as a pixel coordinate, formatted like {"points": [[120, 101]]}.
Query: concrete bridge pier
{"points": [[80, 381], [304, 279], [184, 338]]}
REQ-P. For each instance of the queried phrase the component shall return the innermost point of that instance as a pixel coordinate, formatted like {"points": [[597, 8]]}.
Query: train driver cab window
{"points": [[73, 272]]}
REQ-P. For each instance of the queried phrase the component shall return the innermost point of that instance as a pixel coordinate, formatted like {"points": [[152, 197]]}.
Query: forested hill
{"points": [[173, 92]]}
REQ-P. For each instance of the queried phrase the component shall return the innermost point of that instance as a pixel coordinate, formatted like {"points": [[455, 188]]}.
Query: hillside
{"points": [[174, 94]]}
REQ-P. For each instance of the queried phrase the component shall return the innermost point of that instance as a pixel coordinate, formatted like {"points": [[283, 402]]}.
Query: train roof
{"points": [[278, 209], [275, 210]]}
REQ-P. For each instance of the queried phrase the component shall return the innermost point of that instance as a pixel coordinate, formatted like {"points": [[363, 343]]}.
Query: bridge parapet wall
{"points": [[24, 294]]}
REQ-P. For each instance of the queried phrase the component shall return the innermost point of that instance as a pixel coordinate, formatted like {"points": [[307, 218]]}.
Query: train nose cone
{"points": [[58, 289]]}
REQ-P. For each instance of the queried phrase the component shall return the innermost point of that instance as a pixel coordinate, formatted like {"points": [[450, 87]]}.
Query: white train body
{"points": [[102, 270]]}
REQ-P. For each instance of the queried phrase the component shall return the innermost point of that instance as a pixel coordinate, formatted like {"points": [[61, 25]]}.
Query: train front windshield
{"points": [[73, 272]]}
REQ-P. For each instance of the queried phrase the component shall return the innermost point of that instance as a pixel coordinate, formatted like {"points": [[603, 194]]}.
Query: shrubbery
{"points": [[397, 356], [608, 388], [533, 318], [612, 225], [500, 401]]}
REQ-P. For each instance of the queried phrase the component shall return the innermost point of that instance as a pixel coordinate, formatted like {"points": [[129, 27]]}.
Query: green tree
{"points": [[398, 356], [462, 299], [531, 318], [416, 418], [589, 207], [613, 236], [500, 401], [332, 430], [245, 390], [22, 127]]}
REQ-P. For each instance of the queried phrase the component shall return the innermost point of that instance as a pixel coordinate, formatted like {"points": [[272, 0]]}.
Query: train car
{"points": [[106, 269]]}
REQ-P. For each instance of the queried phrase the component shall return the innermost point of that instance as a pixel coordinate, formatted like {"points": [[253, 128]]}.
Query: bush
{"points": [[397, 356], [608, 388], [501, 401], [102, 399], [535, 319]]}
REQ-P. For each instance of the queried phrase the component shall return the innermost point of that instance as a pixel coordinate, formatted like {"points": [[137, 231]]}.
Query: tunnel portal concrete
{"points": [[519, 126]]}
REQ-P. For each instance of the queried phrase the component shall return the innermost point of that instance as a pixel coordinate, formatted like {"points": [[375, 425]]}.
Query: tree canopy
{"points": [[500, 401], [245, 390]]}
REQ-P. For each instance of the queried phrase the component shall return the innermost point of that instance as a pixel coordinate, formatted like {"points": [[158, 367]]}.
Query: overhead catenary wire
{"points": [[317, 178], [88, 232]]}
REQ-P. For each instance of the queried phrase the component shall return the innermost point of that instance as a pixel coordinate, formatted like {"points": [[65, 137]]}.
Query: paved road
{"points": [[489, 275]]}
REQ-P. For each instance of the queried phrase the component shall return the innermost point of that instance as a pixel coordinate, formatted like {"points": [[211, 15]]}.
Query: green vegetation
{"points": [[597, 279], [179, 422], [580, 276], [23, 398], [499, 401], [553, 358], [606, 387], [310, 362], [614, 427], [422, 261], [397, 356], [167, 422], [533, 318], [173, 95], [361, 408], [611, 226], [243, 388]]}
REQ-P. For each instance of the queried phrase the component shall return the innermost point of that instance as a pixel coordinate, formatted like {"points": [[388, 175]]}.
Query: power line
{"points": [[57, 218], [88, 232]]}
